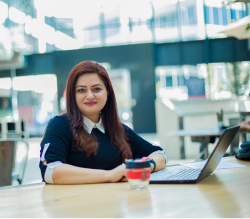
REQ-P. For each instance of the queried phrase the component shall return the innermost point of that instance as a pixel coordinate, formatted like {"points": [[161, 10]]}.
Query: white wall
{"points": [[166, 121]]}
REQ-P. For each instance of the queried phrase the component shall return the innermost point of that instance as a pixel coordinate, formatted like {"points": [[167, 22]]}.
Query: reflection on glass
{"points": [[44, 26], [36, 97], [214, 81], [217, 16], [180, 83], [228, 79], [120, 79]]}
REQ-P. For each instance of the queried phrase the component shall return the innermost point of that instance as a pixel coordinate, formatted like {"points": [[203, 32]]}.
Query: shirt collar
{"points": [[90, 125]]}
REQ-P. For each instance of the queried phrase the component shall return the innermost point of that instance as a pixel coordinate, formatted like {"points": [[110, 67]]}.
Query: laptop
{"points": [[186, 176]]}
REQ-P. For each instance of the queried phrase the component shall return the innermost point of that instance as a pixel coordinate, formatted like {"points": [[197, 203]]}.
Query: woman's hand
{"points": [[118, 174], [245, 125], [159, 160]]}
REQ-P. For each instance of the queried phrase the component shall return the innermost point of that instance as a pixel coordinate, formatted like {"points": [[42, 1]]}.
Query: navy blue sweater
{"points": [[63, 147]]}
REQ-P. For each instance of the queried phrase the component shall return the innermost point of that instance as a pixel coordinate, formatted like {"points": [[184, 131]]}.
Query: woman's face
{"points": [[91, 95]]}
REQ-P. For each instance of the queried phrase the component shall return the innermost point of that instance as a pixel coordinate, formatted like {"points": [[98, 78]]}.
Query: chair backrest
{"points": [[8, 150], [14, 134], [6, 162]]}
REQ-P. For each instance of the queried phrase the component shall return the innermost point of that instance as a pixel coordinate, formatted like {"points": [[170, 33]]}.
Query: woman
{"points": [[88, 143]]}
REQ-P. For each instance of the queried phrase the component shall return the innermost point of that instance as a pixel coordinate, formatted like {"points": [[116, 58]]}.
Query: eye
{"points": [[80, 90], [97, 89]]}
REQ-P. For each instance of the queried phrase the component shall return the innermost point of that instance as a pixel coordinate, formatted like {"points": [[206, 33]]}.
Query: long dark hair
{"points": [[112, 124]]}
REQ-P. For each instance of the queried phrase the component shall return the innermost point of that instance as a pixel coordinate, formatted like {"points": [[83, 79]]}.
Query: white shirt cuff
{"points": [[49, 171], [161, 152]]}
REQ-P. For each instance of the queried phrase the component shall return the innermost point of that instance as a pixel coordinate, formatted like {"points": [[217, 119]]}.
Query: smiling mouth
{"points": [[90, 103]]}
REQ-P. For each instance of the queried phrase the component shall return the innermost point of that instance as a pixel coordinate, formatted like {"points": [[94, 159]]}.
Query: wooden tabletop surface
{"points": [[225, 193]]}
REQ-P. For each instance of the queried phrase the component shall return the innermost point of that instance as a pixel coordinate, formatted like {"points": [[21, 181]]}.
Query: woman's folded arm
{"points": [[68, 174]]}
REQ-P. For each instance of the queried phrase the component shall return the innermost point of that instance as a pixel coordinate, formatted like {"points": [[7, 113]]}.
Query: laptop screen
{"points": [[219, 151]]}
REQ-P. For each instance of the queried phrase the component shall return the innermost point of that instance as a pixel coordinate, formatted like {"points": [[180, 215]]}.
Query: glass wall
{"points": [[36, 99], [214, 81], [121, 82], [15, 18], [35, 26], [217, 16], [181, 82]]}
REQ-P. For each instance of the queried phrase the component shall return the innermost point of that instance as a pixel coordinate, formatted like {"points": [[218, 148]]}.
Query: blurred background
{"points": [[171, 64]]}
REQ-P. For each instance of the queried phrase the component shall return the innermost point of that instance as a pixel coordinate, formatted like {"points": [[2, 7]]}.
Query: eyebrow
{"points": [[91, 86]]}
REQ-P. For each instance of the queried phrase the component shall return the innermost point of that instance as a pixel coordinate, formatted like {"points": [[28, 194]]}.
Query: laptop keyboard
{"points": [[185, 174]]}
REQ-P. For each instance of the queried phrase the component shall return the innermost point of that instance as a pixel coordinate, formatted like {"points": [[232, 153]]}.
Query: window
{"points": [[192, 15], [65, 25], [163, 22], [181, 80], [184, 21], [171, 20], [169, 82], [112, 27], [224, 16], [216, 16], [167, 21], [233, 15], [94, 35], [207, 15], [242, 14]]}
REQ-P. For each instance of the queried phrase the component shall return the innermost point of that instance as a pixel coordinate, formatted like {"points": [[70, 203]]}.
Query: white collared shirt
{"points": [[89, 125]]}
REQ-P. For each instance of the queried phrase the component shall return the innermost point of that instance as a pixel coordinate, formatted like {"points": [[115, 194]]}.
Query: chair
{"points": [[14, 134], [234, 147], [13, 159]]}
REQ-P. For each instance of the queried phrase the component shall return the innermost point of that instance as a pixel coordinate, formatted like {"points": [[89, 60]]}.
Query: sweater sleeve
{"points": [[139, 146], [55, 143]]}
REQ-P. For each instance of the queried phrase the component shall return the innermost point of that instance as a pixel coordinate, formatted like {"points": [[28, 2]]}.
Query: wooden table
{"points": [[226, 193]]}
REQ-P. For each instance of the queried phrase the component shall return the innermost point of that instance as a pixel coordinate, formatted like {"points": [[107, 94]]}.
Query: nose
{"points": [[90, 95]]}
